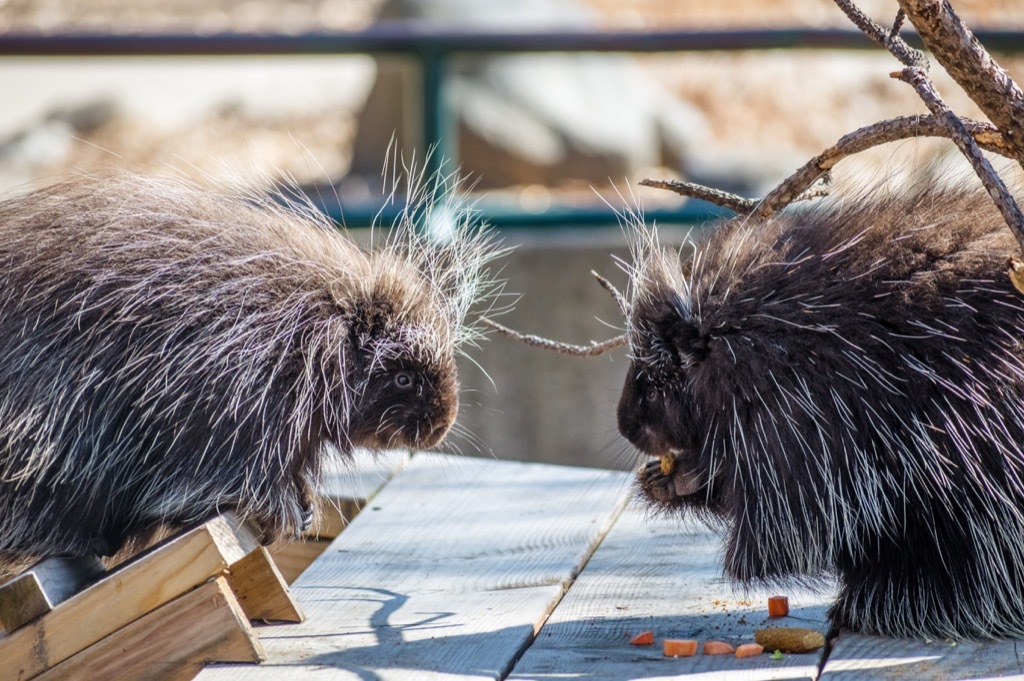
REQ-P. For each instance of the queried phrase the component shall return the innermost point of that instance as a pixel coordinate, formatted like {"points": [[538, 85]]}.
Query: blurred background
{"points": [[554, 135]]}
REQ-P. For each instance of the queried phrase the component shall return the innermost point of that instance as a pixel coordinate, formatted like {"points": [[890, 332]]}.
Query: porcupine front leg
{"points": [[290, 514]]}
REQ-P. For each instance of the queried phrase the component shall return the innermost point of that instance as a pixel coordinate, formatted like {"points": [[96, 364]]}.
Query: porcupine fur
{"points": [[841, 389], [169, 352]]}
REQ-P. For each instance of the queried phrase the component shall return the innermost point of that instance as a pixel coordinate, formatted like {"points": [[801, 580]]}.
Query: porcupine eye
{"points": [[403, 380]]}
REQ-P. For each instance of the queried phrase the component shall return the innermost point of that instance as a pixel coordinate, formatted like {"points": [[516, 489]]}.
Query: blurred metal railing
{"points": [[432, 47]]}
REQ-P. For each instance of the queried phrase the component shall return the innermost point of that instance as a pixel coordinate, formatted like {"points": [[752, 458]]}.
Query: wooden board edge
{"points": [[170, 643]]}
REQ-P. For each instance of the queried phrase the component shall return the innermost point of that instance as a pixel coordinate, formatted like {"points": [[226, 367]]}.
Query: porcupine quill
{"points": [[169, 352]]}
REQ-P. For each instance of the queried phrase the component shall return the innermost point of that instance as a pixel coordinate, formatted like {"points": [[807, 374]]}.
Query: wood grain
{"points": [[170, 643], [347, 487], [261, 590], [856, 657], [664, 575], [449, 571]]}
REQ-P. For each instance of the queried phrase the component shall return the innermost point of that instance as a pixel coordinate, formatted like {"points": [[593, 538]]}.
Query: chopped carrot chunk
{"points": [[678, 647], [644, 638], [749, 650], [718, 648], [778, 606]]}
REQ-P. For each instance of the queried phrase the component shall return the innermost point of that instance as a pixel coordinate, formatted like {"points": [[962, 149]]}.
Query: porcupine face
{"points": [[405, 402], [656, 411]]}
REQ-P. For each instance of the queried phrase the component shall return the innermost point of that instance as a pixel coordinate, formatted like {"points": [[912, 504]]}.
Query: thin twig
{"points": [[890, 40], [897, 24], [619, 298], [965, 142], [718, 197], [892, 130], [591, 350]]}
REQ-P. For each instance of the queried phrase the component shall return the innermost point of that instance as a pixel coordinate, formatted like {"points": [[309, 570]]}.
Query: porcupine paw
{"points": [[655, 484], [665, 481]]}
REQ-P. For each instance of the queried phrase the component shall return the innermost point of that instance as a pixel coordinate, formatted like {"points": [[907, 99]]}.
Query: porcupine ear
{"points": [[673, 331]]}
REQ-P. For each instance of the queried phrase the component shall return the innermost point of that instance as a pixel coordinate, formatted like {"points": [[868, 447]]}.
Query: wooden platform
{"points": [[476, 569]]}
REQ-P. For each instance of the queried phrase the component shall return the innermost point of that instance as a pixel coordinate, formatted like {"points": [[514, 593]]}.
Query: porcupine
{"points": [[169, 352], [840, 388]]}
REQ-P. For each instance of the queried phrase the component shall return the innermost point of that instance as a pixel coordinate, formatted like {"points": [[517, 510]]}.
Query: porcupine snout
{"points": [[673, 474]]}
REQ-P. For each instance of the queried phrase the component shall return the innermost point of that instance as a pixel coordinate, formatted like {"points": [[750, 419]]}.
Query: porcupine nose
{"points": [[435, 436], [432, 431]]}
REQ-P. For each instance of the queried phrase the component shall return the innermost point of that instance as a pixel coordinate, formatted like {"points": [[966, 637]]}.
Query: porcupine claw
{"points": [[308, 516]]}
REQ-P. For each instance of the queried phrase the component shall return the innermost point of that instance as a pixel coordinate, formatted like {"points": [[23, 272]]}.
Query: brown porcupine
{"points": [[169, 352], [842, 389]]}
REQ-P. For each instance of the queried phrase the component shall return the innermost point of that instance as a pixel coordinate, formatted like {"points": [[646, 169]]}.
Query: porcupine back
{"points": [[850, 382], [169, 352]]}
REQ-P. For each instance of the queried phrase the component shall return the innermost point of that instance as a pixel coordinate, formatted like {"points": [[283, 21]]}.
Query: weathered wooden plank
{"points": [[171, 643], [663, 575], [124, 595], [37, 590], [856, 657], [450, 570], [261, 590]]}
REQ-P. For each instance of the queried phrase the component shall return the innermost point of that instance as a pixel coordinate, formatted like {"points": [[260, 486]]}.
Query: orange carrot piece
{"points": [[678, 647], [718, 648], [778, 606], [644, 638], [749, 650]]}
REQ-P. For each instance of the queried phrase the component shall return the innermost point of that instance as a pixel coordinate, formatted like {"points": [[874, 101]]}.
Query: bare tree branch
{"points": [[869, 136], [735, 203], [591, 350], [796, 187], [963, 140], [970, 65]]}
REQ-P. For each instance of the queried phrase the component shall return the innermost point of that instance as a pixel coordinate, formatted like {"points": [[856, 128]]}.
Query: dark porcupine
{"points": [[169, 352], [841, 388]]}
